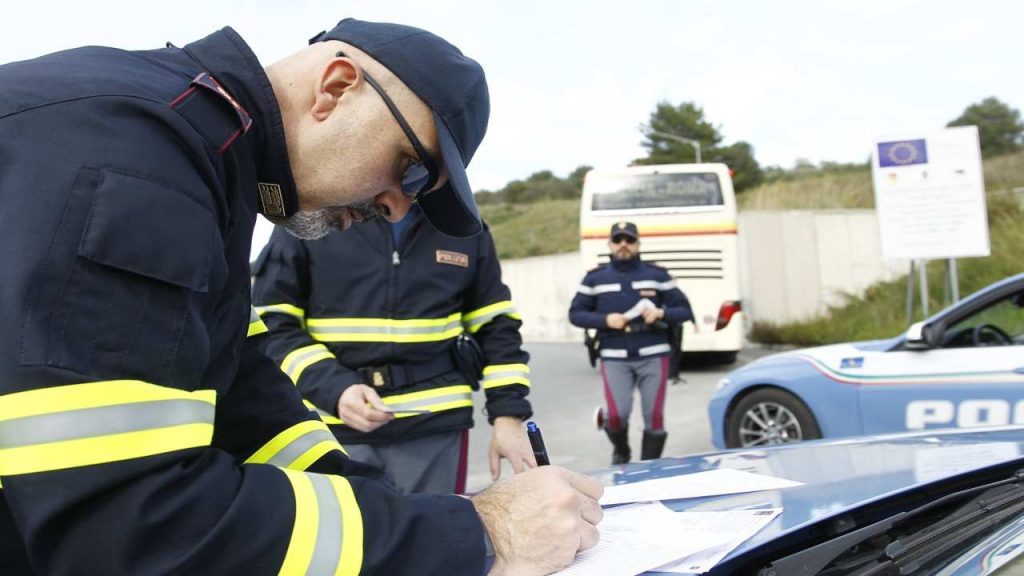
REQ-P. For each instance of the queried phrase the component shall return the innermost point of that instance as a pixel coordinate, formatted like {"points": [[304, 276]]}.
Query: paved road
{"points": [[566, 390]]}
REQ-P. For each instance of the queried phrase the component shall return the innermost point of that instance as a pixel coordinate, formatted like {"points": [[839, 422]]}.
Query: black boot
{"points": [[654, 443], [620, 442]]}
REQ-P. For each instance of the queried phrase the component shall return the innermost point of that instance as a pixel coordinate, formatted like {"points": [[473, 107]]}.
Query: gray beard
{"points": [[314, 224]]}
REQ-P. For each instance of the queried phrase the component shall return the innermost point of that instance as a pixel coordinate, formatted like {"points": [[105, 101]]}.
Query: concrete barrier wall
{"points": [[794, 264]]}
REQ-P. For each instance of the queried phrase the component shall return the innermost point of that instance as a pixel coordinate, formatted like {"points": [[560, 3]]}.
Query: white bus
{"points": [[686, 215]]}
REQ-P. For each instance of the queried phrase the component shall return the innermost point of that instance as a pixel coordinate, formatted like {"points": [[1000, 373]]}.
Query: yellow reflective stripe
{"points": [[326, 416], [294, 447], [282, 309], [301, 358], [103, 449], [307, 519], [352, 519], [505, 374], [257, 327], [384, 329], [92, 395], [327, 536], [100, 422], [476, 319], [428, 394]]}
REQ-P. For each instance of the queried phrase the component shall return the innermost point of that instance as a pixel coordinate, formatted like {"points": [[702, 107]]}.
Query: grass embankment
{"points": [[547, 227], [881, 311]]}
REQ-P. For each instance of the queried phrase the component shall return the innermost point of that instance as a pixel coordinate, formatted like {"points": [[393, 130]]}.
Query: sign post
{"points": [[930, 198]]}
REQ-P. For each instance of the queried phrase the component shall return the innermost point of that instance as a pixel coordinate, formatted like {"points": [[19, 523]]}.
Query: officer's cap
{"points": [[624, 229], [454, 88]]}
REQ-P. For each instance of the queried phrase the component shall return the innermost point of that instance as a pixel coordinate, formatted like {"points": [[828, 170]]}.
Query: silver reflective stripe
{"points": [[503, 374], [382, 329], [656, 349], [104, 420], [417, 404], [614, 353], [481, 320], [254, 316], [330, 531], [598, 289], [299, 446], [654, 284], [298, 359]]}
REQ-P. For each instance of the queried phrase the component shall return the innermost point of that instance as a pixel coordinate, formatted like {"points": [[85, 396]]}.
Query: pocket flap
{"points": [[144, 227]]}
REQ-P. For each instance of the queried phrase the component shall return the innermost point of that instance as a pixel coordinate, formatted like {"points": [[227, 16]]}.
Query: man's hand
{"points": [[509, 441], [361, 408], [540, 519], [616, 321], [652, 315]]}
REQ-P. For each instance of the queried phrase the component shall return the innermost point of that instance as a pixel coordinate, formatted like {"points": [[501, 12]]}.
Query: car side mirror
{"points": [[921, 336]]}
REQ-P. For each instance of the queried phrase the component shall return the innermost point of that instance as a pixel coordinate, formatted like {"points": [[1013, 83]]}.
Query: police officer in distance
{"points": [[634, 351], [142, 430], [373, 325]]}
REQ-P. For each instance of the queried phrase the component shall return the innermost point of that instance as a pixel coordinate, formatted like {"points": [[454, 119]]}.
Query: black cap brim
{"points": [[451, 209]]}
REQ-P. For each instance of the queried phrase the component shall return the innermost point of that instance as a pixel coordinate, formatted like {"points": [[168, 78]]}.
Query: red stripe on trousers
{"points": [[460, 475], [658, 417], [613, 410]]}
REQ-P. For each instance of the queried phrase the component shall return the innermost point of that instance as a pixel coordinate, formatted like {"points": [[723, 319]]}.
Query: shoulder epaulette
{"points": [[213, 111]]}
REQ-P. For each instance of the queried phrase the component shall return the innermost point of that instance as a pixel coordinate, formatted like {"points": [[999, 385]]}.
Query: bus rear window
{"points": [[637, 191]]}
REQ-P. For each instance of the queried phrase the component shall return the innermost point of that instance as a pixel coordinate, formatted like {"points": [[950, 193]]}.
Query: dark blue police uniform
{"points": [[636, 356], [142, 430], [355, 308]]}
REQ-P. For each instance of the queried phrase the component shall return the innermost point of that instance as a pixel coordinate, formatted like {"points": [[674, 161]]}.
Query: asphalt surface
{"points": [[565, 390]]}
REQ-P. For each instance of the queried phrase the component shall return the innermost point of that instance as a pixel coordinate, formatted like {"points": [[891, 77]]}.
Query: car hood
{"points": [[837, 475], [852, 349]]}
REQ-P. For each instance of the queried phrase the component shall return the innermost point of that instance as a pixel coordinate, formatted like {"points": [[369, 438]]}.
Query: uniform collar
{"points": [[226, 56], [626, 265]]}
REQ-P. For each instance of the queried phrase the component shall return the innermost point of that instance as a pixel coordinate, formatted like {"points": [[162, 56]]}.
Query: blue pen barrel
{"points": [[540, 452]]}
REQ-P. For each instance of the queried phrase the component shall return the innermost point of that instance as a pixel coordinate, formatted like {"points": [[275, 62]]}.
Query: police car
{"points": [[962, 367]]}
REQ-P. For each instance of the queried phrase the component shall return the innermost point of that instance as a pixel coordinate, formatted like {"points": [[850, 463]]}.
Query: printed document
{"points": [[734, 525], [710, 483], [638, 538]]}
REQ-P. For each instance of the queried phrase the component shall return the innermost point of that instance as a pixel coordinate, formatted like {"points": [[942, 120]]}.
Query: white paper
{"points": [[637, 538], [639, 308], [732, 528], [945, 461], [710, 483]]}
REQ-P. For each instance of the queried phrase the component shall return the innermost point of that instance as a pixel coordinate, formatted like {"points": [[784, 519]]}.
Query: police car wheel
{"points": [[769, 416]]}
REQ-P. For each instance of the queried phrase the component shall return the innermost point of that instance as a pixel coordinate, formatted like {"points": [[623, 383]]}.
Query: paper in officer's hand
{"points": [[639, 308]]}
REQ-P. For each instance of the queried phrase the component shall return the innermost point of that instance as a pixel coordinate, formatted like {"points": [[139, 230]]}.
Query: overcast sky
{"points": [[570, 80]]}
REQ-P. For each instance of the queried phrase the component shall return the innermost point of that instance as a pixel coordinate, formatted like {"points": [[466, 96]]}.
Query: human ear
{"points": [[337, 77]]}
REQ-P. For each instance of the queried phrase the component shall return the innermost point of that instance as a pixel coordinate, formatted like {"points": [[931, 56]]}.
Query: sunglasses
{"points": [[421, 177], [623, 238]]}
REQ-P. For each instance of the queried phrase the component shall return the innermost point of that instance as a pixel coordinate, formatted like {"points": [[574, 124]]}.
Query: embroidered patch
{"points": [[453, 258], [270, 196], [648, 292]]}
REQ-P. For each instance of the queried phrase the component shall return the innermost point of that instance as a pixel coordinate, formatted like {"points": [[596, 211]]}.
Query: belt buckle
{"points": [[377, 377]]}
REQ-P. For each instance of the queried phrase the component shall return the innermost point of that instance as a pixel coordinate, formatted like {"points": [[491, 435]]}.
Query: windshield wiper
{"points": [[906, 554]]}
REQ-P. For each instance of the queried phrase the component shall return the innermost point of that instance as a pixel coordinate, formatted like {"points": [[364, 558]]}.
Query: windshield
{"points": [[637, 191]]}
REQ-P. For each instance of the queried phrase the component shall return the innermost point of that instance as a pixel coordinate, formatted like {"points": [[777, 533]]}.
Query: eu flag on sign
{"points": [[902, 153]]}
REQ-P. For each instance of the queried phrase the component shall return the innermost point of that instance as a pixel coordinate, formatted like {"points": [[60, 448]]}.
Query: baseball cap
{"points": [[624, 229], [455, 89]]}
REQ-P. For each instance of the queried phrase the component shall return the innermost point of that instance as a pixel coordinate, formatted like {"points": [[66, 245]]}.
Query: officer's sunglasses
{"points": [[623, 238], [422, 176]]}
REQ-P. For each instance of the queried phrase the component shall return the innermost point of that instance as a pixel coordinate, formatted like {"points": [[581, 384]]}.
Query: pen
{"points": [[537, 442]]}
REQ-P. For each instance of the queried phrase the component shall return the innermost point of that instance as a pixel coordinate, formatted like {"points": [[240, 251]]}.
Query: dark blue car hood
{"points": [[838, 475]]}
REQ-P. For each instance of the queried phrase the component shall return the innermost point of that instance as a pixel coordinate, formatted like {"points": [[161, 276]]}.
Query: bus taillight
{"points": [[726, 312]]}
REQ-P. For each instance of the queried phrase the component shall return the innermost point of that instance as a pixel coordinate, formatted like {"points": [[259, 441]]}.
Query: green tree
{"points": [[999, 127], [687, 121], [739, 157]]}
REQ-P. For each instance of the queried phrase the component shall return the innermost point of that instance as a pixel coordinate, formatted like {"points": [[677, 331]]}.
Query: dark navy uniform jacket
{"points": [[617, 287], [142, 430], [351, 308]]}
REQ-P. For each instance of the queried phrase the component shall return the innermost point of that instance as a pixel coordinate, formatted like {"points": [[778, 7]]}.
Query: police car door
{"points": [[973, 378]]}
